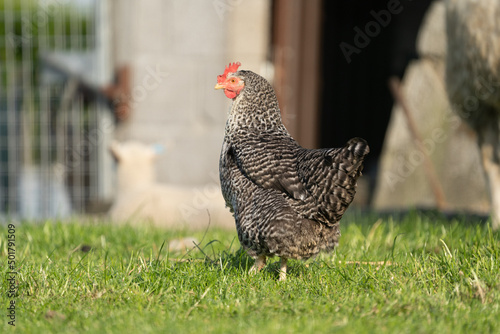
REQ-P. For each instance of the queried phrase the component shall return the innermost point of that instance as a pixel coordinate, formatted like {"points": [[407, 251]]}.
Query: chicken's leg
{"points": [[283, 269], [260, 262]]}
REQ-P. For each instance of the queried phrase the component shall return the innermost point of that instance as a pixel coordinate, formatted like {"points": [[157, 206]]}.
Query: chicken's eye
{"points": [[232, 80]]}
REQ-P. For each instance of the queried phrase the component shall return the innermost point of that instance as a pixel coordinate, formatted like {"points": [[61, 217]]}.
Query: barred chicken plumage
{"points": [[287, 200]]}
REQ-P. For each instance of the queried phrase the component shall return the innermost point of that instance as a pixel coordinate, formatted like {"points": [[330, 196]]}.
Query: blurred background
{"points": [[77, 74]]}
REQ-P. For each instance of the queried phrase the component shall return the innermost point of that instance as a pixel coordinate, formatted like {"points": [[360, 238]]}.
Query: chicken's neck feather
{"points": [[255, 110]]}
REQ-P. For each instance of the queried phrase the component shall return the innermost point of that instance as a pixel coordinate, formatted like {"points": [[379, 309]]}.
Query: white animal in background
{"points": [[473, 81], [141, 199]]}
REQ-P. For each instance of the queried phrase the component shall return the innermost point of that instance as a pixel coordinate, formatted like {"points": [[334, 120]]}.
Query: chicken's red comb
{"points": [[229, 69]]}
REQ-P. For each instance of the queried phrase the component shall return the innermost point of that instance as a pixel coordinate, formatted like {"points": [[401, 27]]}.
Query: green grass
{"points": [[440, 277]]}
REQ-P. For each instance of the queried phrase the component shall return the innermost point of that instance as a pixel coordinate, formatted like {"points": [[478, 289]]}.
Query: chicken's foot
{"points": [[260, 262], [283, 269]]}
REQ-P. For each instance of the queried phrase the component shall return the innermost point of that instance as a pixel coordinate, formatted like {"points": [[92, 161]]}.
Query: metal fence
{"points": [[54, 125]]}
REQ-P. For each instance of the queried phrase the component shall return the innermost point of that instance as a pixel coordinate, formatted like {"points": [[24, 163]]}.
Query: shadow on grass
{"points": [[448, 216], [240, 261]]}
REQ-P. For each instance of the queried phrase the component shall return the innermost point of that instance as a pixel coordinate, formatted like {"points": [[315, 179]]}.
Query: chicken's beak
{"points": [[219, 86]]}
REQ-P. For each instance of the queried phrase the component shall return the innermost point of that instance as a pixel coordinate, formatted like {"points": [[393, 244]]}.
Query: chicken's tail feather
{"points": [[358, 146]]}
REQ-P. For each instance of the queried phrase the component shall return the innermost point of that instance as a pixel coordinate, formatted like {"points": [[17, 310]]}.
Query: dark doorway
{"points": [[333, 60], [363, 44]]}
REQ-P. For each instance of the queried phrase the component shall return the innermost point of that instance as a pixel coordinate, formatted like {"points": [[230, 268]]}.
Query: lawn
{"points": [[419, 273]]}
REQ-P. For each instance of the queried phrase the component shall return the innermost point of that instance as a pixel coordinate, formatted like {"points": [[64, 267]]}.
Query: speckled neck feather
{"points": [[255, 107]]}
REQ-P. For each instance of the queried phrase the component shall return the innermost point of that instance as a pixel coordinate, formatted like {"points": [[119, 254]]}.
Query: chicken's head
{"points": [[231, 84]]}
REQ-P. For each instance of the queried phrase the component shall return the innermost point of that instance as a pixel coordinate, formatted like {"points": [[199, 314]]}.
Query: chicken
{"points": [[287, 200]]}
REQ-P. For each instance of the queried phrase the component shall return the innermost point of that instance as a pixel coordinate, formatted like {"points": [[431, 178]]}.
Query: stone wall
{"points": [[176, 49]]}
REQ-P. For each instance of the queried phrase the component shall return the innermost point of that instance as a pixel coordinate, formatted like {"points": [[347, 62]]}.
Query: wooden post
{"points": [[296, 56]]}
